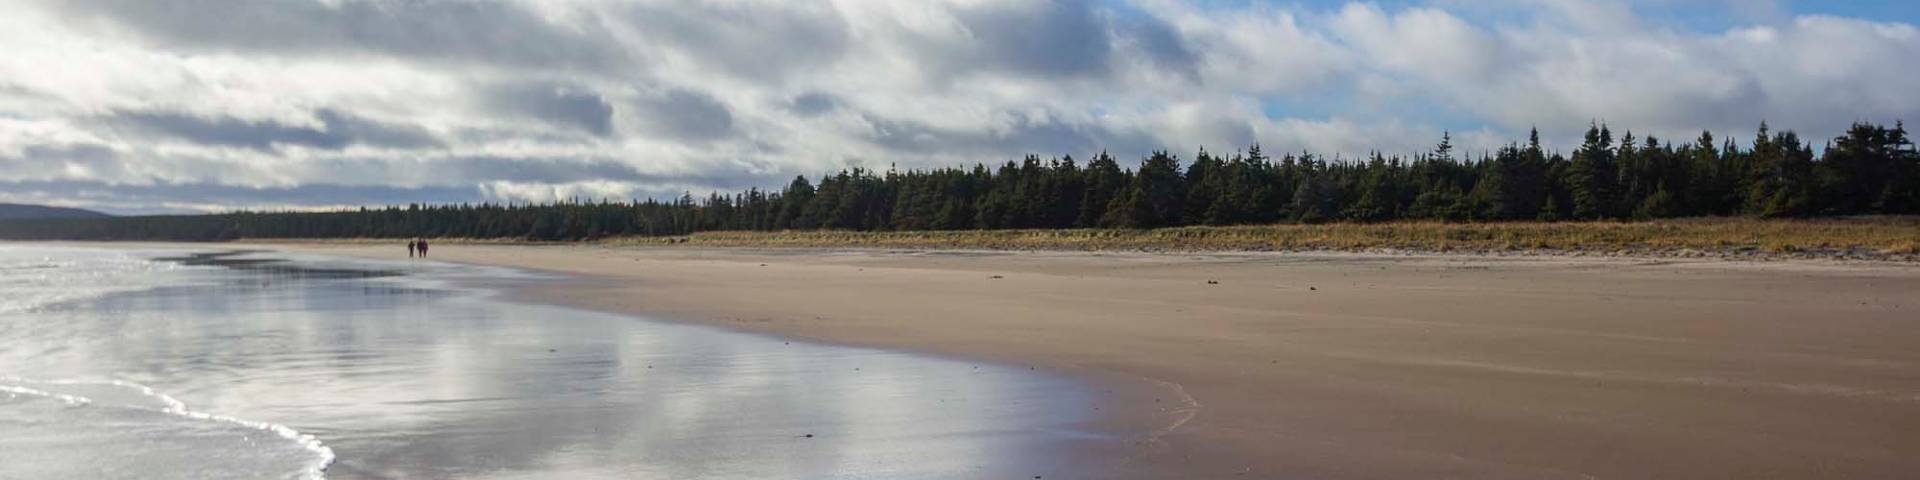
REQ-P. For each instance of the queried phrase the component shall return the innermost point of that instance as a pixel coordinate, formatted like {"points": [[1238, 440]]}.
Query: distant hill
{"points": [[10, 211]]}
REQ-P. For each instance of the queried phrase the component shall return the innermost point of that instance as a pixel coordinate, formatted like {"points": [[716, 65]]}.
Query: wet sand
{"points": [[195, 364], [1340, 366]]}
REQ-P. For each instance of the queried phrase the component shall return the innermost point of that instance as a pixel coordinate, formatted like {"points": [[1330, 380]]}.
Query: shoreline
{"points": [[435, 369], [1296, 367]]}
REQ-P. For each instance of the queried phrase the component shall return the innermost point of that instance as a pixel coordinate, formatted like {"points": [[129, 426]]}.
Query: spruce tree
{"points": [[1312, 202], [794, 203], [1659, 204], [1206, 183], [1592, 175], [1104, 182], [1487, 200], [1376, 201], [1155, 198]]}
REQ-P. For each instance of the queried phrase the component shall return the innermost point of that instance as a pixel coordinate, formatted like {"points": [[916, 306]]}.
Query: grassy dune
{"points": [[1873, 237]]}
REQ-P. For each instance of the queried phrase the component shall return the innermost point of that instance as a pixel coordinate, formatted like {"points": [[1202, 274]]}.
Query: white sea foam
{"points": [[15, 387], [73, 400]]}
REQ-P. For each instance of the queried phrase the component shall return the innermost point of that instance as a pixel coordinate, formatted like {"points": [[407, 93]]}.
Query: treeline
{"points": [[1871, 169]]}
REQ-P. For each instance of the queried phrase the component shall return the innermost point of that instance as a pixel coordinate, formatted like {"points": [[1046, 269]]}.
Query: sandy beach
{"points": [[1342, 366]]}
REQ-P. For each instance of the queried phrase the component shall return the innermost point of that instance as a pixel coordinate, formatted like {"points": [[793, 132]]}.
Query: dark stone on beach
{"points": [[809, 435], [997, 276], [1213, 282], [1313, 288]]}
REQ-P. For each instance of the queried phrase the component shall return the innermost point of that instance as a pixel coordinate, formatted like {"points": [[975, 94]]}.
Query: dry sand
{"points": [[1331, 366]]}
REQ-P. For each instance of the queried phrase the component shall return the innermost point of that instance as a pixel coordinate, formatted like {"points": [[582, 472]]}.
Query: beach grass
{"points": [[1858, 236]]}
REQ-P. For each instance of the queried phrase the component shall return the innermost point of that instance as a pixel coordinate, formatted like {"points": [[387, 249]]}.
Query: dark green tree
{"points": [[1592, 177]]}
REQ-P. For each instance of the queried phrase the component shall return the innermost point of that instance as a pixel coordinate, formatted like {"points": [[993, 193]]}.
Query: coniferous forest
{"points": [[1871, 169]]}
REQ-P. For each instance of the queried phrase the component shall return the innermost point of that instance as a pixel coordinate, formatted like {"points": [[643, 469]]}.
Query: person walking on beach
{"points": [[411, 246], [423, 247]]}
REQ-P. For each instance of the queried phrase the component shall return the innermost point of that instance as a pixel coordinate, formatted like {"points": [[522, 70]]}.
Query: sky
{"points": [[171, 106]]}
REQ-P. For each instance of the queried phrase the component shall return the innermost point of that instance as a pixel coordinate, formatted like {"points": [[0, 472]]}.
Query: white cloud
{"points": [[523, 192], [381, 100]]}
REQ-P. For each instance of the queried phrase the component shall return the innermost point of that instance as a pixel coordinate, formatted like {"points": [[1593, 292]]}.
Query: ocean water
{"points": [[156, 364]]}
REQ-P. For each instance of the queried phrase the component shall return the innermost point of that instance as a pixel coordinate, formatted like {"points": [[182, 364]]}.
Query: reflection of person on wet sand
{"points": [[411, 245]]}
